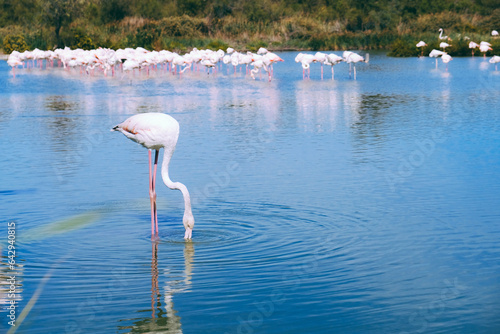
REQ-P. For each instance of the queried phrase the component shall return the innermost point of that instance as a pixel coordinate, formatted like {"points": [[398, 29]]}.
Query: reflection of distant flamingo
{"points": [[155, 131]]}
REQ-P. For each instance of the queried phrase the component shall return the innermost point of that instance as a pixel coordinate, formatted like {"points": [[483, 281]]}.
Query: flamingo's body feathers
{"points": [[151, 130]]}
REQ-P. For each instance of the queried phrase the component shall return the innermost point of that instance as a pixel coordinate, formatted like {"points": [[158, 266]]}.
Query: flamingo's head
{"points": [[188, 221]]}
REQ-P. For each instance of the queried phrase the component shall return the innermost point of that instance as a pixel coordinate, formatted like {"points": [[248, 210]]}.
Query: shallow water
{"points": [[367, 206]]}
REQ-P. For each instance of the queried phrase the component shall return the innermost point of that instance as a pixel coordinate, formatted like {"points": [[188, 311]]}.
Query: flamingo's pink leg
{"points": [[152, 196], [154, 189]]}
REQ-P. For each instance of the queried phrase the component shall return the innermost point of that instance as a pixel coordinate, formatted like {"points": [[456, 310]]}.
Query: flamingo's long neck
{"points": [[167, 155]]}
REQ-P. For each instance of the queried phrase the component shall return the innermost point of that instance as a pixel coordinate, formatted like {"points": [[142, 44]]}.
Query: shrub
{"points": [[37, 40], [14, 42], [145, 37], [254, 46], [77, 38], [183, 26], [216, 45], [402, 48]]}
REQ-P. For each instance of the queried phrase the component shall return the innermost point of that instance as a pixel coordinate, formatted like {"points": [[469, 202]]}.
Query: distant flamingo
{"points": [[130, 65], [435, 54], [495, 60], [332, 60], [446, 58], [14, 61], [473, 45], [269, 59], [444, 45], [354, 58], [257, 65], [441, 34], [154, 131], [306, 60], [262, 51], [321, 58], [421, 44], [484, 47]]}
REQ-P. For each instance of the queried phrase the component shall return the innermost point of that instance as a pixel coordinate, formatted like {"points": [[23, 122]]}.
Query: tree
{"points": [[17, 12], [115, 10], [191, 7], [59, 13]]}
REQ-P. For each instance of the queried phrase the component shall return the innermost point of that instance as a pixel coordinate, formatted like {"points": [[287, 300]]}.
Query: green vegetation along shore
{"points": [[180, 25]]}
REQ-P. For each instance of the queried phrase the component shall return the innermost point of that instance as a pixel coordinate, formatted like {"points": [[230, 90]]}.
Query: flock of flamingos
{"points": [[128, 60], [446, 58]]}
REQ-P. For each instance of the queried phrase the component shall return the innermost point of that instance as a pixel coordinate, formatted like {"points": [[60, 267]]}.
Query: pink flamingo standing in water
{"points": [[13, 61], [484, 47], [473, 45], [421, 45], [155, 131]]}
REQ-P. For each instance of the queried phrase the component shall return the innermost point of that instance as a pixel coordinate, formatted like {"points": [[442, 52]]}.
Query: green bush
{"points": [[402, 48], [146, 36], [254, 46], [77, 38], [216, 45], [37, 40], [317, 43], [14, 42], [182, 26]]}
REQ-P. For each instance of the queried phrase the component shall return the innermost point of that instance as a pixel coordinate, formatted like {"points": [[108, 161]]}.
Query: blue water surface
{"points": [[321, 206]]}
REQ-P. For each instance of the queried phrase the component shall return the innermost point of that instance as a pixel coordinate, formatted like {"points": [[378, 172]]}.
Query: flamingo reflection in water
{"points": [[171, 323], [163, 317]]}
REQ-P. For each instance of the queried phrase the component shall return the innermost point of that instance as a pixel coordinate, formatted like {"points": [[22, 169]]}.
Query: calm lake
{"points": [[367, 206]]}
